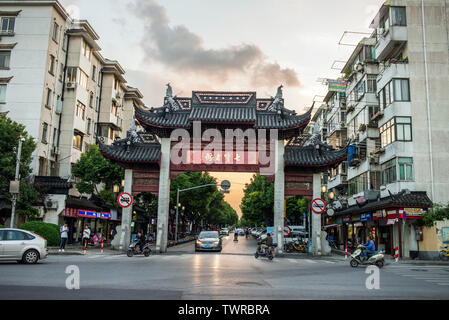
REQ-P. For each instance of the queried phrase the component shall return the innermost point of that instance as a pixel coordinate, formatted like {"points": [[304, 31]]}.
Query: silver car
{"points": [[22, 245], [209, 241]]}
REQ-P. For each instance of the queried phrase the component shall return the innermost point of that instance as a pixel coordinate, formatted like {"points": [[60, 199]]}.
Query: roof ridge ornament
{"points": [[170, 103], [278, 102]]}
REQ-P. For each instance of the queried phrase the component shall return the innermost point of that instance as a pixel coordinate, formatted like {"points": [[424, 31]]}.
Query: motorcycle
{"points": [[267, 252], [375, 259], [134, 249], [444, 253]]}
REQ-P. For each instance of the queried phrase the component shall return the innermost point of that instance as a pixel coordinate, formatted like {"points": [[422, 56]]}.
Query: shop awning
{"points": [[69, 212]]}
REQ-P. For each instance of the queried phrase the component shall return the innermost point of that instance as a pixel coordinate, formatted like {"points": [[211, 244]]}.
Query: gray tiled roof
{"points": [[311, 157], [161, 118], [218, 113], [135, 152]]}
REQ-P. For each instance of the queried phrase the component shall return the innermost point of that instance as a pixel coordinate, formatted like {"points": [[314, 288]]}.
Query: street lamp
{"points": [[14, 188], [323, 188], [331, 195]]}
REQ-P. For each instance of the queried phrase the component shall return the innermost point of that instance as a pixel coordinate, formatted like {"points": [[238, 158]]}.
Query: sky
{"points": [[238, 45]]}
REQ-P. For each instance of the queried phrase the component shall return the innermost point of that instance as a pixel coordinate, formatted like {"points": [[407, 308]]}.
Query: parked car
{"points": [[208, 241], [22, 246], [241, 232], [224, 231]]}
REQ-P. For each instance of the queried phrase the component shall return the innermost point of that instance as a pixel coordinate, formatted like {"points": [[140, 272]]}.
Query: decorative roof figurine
{"points": [[170, 102], [278, 103]]}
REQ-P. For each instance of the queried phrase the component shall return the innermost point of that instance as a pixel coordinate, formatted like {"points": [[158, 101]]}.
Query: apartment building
{"points": [[54, 80], [396, 118]]}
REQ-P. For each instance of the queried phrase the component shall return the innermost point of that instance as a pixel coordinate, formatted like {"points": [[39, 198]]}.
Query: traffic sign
{"points": [[125, 200], [225, 184], [287, 231], [330, 212], [318, 205]]}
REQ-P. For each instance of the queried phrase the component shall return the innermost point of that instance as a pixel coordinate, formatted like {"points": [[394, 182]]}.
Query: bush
{"points": [[2, 226], [48, 231]]}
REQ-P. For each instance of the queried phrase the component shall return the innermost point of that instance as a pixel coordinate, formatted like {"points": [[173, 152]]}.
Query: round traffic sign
{"points": [[225, 184], [125, 200], [318, 205], [287, 231], [330, 212]]}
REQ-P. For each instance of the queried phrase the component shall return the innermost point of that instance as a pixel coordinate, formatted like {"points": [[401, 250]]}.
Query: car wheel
{"points": [[30, 257]]}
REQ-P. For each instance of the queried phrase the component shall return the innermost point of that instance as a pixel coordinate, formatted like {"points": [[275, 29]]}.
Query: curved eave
{"points": [[134, 156], [329, 158]]}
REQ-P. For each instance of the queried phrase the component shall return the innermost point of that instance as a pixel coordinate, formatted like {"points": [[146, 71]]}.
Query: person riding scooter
{"points": [[266, 243], [369, 248], [140, 240], [236, 234]]}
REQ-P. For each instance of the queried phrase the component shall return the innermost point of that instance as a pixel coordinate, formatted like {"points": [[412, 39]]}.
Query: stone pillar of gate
{"points": [[164, 197], [316, 218], [125, 235], [279, 186]]}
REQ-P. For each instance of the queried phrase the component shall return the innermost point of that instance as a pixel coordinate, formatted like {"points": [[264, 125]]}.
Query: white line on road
{"points": [[327, 261], [309, 261]]}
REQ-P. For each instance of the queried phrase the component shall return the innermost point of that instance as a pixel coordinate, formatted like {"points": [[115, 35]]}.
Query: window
{"points": [[358, 184], [44, 132], [61, 72], [94, 71], [405, 169], [7, 24], [389, 172], [114, 109], [372, 110], [55, 136], [401, 90], [51, 68], [77, 141], [11, 235], [42, 166], [71, 74], [2, 93], [91, 100], [83, 79], [49, 101], [360, 90], [398, 16], [86, 50], [371, 84], [53, 169], [55, 32], [403, 128], [97, 104], [387, 133], [5, 56], [80, 110], [89, 124], [64, 42]]}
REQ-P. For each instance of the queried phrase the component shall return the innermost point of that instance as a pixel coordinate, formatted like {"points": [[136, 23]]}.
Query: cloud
{"points": [[181, 50]]}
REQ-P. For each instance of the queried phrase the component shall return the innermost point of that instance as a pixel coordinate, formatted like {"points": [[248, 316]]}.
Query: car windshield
{"points": [[211, 234]]}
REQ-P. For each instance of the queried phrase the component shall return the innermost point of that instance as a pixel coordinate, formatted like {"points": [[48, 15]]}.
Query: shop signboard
{"points": [[413, 212], [379, 214], [94, 214], [445, 234], [347, 219], [365, 216]]}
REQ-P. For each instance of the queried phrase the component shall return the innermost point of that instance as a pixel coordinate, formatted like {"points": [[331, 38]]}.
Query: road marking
{"points": [[309, 261], [327, 261]]}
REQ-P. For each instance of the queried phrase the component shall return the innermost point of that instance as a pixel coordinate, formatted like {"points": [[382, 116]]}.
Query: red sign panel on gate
{"points": [[318, 205]]}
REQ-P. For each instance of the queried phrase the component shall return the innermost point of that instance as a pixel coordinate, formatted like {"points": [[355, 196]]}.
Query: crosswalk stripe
{"points": [[327, 261]]}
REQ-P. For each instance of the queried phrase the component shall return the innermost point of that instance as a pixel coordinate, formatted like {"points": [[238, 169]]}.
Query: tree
{"points": [[93, 169], [258, 201], [296, 206], [437, 213], [10, 131]]}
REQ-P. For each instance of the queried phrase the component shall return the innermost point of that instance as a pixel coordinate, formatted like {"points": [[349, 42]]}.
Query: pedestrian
{"points": [[86, 235], [64, 233], [113, 232]]}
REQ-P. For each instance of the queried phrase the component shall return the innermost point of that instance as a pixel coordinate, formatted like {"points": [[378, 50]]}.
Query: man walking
{"points": [[64, 232], [86, 235]]}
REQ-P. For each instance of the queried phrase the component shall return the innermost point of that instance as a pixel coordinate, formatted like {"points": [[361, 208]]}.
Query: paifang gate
{"points": [[222, 131]]}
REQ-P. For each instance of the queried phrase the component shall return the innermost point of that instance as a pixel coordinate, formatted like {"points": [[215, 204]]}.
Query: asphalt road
{"points": [[232, 274]]}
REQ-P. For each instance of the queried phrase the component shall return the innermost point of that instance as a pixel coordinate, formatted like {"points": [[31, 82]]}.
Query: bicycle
{"points": [[444, 253], [295, 246]]}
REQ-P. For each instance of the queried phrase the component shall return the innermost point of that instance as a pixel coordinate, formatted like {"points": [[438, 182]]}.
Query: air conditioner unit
{"points": [[51, 204], [71, 85]]}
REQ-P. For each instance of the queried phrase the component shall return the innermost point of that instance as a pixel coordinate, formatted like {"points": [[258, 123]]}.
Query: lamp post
{"points": [[14, 188]]}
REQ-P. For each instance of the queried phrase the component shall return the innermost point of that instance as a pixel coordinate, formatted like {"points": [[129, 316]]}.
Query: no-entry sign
{"points": [[318, 205], [125, 200]]}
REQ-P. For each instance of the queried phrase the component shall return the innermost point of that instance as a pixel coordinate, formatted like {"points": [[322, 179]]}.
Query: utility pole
{"points": [[14, 187]]}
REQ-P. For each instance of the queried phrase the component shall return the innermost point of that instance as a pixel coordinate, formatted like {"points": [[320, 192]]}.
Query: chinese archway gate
{"points": [[225, 132]]}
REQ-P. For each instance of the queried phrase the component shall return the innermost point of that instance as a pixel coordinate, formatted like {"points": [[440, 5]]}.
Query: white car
{"points": [[22, 245]]}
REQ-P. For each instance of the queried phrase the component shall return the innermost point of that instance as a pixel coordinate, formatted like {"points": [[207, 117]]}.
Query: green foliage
{"points": [[1, 226], [296, 206], [204, 203], [437, 213], [148, 201], [48, 231], [258, 201], [9, 141], [92, 168]]}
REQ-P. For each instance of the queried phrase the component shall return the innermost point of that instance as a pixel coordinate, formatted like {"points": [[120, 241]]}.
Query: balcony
{"points": [[391, 39], [339, 179], [392, 69], [109, 118]]}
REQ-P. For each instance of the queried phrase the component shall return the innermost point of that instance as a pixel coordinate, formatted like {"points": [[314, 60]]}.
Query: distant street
{"points": [[232, 274]]}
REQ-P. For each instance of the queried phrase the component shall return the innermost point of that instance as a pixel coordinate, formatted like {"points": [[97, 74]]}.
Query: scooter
{"points": [[444, 253], [268, 252], [375, 259], [134, 249]]}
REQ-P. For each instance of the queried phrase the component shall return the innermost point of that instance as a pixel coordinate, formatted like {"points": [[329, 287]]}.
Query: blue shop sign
{"points": [[94, 214], [366, 216]]}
